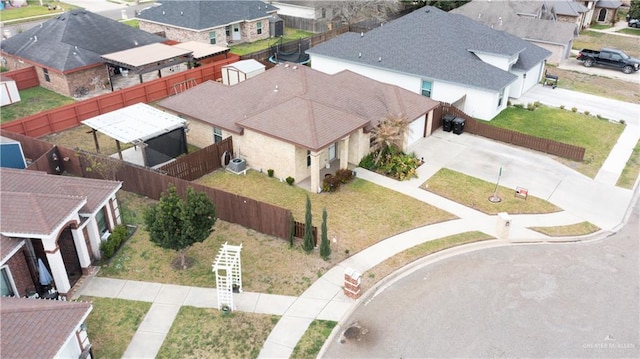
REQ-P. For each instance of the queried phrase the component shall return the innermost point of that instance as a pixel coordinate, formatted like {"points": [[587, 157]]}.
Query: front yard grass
{"points": [[597, 136], [621, 90], [631, 169], [630, 31], [392, 264], [33, 8], [596, 40], [449, 184], [32, 101], [207, 333], [572, 230], [313, 339], [112, 324], [249, 47]]}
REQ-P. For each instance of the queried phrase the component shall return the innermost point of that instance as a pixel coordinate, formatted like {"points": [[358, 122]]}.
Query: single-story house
{"points": [[66, 50], [214, 22], [534, 21], [59, 220], [606, 11], [447, 57], [296, 120], [35, 329]]}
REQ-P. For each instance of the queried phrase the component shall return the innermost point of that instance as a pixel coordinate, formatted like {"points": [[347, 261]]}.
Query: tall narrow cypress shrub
{"points": [[325, 247], [307, 242], [292, 231]]}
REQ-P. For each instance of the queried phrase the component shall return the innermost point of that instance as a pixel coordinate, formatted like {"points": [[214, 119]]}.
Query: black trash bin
{"points": [[458, 125], [447, 122]]}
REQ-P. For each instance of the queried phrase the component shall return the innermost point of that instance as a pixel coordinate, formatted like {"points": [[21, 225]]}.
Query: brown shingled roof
{"points": [[36, 328], [35, 202], [299, 105], [7, 246]]}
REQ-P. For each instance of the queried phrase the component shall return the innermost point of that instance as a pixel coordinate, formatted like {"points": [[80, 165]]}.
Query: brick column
{"points": [[352, 281]]}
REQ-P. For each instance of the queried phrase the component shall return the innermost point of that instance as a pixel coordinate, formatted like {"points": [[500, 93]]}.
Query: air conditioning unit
{"points": [[237, 165], [105, 236]]}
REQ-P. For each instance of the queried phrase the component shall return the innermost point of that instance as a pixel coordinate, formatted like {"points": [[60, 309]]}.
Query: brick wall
{"points": [[183, 35], [20, 272]]}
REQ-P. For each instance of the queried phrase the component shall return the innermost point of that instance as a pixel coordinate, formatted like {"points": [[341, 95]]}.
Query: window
{"points": [[217, 135], [46, 75], [102, 221], [212, 37], [308, 158], [500, 98], [426, 88], [259, 25], [7, 288]]}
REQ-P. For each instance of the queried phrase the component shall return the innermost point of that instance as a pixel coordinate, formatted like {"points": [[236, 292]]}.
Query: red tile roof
{"points": [[36, 202], [37, 328], [298, 104]]}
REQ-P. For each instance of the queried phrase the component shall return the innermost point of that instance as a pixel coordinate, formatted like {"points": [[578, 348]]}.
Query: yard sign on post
{"points": [[228, 275]]}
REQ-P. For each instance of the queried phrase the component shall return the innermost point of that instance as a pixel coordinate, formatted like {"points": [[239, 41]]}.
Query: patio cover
{"points": [[148, 58], [201, 50], [135, 124]]}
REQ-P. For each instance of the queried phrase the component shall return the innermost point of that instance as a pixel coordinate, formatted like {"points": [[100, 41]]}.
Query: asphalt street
{"points": [[536, 300]]}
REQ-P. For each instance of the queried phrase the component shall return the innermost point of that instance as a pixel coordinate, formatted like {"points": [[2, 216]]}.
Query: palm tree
{"points": [[389, 132]]}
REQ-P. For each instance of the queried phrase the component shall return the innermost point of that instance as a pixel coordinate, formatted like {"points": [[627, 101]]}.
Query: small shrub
{"points": [[562, 107], [108, 248], [537, 104], [623, 122], [331, 183], [290, 180], [531, 107], [344, 175], [587, 113], [368, 162], [270, 172], [508, 102], [111, 245], [574, 109], [4, 69], [518, 105]]}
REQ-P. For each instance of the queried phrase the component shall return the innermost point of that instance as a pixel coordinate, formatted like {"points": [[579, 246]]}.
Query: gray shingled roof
{"points": [[568, 7], [201, 15], [75, 39], [433, 44], [608, 4], [36, 328], [299, 105], [503, 15]]}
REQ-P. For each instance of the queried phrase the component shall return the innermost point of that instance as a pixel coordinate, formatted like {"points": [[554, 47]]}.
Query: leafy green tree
{"points": [[634, 9], [176, 223], [307, 241], [325, 247]]}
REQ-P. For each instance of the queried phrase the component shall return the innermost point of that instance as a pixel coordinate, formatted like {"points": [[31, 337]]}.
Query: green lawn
{"points": [[112, 324], [597, 136], [132, 22], [597, 40], [630, 31], [631, 170], [207, 333], [32, 101], [289, 35], [313, 339], [34, 8]]}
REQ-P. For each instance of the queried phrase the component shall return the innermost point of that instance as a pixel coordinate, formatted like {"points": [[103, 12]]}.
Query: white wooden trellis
{"points": [[228, 274]]}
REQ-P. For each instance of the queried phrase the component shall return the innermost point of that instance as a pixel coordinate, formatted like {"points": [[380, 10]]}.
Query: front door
{"points": [[332, 151], [236, 32]]}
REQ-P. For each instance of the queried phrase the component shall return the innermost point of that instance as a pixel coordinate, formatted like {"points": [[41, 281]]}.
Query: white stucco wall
{"points": [[416, 131], [70, 349], [525, 83], [501, 62]]}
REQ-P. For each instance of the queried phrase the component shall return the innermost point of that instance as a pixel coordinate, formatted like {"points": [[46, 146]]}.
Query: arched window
{"points": [[602, 15]]}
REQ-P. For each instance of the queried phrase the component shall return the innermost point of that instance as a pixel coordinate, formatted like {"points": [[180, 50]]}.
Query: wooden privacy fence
{"points": [[199, 163], [71, 115], [24, 78], [476, 127], [298, 232]]}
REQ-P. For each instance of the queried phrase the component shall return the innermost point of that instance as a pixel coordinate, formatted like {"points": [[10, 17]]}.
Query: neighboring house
{"points": [[309, 15], [446, 57], [66, 50], [214, 22], [61, 220], [576, 12], [296, 120], [35, 329], [533, 21], [606, 11]]}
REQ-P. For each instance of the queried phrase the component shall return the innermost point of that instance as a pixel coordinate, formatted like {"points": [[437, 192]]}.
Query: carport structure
{"points": [[144, 59], [157, 136]]}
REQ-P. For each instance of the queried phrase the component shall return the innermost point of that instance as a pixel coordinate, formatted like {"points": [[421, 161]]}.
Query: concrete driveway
{"points": [[544, 300]]}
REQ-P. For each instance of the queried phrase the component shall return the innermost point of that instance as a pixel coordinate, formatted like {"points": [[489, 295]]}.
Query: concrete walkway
{"points": [[583, 199]]}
